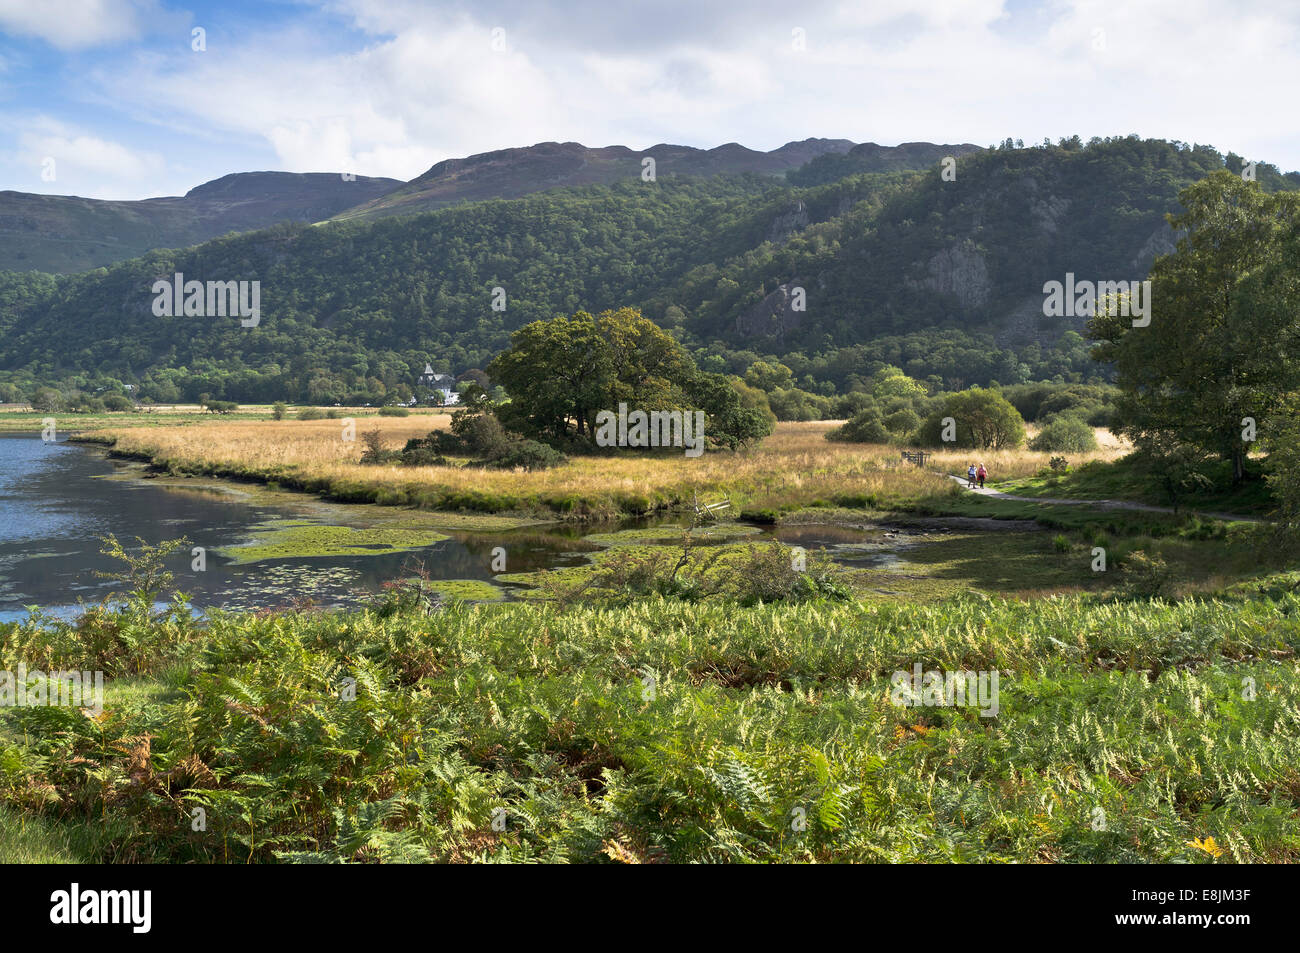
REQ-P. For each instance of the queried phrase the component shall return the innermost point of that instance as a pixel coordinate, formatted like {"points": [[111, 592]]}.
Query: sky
{"points": [[128, 99]]}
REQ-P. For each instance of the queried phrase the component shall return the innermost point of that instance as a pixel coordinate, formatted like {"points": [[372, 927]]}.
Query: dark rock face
{"points": [[960, 272], [794, 219], [775, 315]]}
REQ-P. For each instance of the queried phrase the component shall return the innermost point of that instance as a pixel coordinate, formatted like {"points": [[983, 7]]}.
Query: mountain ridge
{"points": [[523, 170], [67, 233]]}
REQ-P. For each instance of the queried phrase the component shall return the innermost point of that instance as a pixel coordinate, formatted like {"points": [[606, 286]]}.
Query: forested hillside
{"points": [[943, 278], [66, 233], [514, 173]]}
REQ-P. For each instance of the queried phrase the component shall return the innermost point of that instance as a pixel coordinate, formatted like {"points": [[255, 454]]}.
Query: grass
{"points": [[475, 590], [1021, 463], [660, 731], [1079, 518], [795, 467], [609, 728], [930, 568], [1035, 564], [1013, 563], [33, 837], [29, 839], [1132, 479], [15, 419]]}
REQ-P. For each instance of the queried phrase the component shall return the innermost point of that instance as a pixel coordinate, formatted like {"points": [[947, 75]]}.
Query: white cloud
{"points": [[409, 84], [393, 108], [76, 24], [80, 163]]}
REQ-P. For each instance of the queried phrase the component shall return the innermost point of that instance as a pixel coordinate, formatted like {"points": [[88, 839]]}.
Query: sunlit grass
{"points": [[18, 418], [27, 839], [794, 466], [1021, 462]]}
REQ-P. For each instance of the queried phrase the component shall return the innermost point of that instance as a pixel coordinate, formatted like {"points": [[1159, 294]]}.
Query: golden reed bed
{"points": [[794, 465]]}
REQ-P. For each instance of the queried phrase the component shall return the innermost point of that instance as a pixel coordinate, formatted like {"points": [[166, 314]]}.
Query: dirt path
{"points": [[1100, 504]]}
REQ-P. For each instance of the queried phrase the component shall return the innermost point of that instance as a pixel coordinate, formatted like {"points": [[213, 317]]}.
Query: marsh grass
{"points": [[16, 419], [794, 467], [1021, 462]]}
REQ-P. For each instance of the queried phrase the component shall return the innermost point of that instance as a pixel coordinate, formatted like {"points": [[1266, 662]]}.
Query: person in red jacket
{"points": [[981, 473]]}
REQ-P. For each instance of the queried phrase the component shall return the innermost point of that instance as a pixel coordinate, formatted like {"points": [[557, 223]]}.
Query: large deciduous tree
{"points": [[1223, 343], [561, 373]]}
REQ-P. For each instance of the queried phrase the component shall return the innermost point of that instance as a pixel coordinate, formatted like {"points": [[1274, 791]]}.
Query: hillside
{"points": [[65, 234], [68, 234], [513, 173], [972, 252], [869, 157], [943, 278]]}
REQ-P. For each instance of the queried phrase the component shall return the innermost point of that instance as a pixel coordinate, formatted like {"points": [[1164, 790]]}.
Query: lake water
{"points": [[58, 499]]}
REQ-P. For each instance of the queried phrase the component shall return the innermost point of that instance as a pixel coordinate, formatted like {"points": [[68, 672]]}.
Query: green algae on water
{"points": [[469, 590], [288, 539], [672, 534]]}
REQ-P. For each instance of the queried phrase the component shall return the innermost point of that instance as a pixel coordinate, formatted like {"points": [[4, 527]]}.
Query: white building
{"points": [[443, 385]]}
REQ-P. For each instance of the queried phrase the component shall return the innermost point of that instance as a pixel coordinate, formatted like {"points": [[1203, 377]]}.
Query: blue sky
{"points": [[110, 98]]}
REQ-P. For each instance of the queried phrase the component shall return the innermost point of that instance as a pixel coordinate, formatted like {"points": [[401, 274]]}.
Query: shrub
{"points": [[748, 575], [278, 410], [480, 434], [866, 427], [78, 403], [983, 419], [374, 451], [124, 635], [765, 573], [903, 422], [1064, 434], [738, 415], [311, 413], [394, 412], [418, 453], [47, 398], [474, 433], [528, 454], [791, 403], [1146, 576], [851, 404]]}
